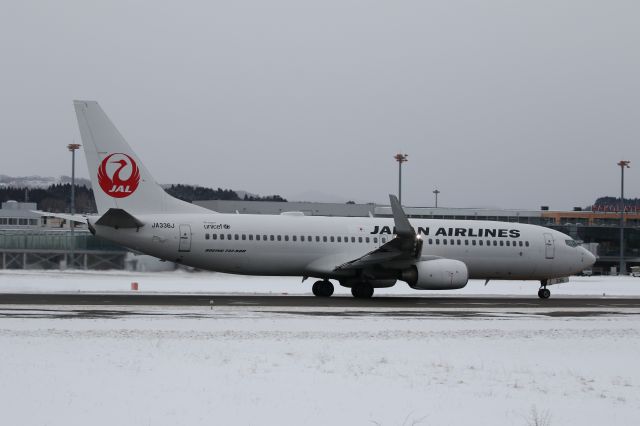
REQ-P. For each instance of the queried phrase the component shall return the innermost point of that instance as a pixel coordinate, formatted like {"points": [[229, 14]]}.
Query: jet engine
{"points": [[437, 274]]}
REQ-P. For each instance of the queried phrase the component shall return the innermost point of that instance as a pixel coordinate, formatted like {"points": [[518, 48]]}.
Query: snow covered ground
{"points": [[241, 365], [216, 283]]}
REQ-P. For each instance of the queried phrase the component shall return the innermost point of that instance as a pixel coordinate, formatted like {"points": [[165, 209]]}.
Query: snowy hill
{"points": [[39, 181]]}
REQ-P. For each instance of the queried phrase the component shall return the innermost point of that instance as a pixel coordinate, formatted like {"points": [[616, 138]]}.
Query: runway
{"points": [[295, 301]]}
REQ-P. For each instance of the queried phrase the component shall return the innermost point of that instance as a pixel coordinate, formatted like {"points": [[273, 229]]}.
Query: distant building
{"points": [[14, 214], [30, 241], [278, 207]]}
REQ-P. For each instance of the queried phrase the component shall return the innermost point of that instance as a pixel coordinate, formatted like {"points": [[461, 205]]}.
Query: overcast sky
{"points": [[510, 104]]}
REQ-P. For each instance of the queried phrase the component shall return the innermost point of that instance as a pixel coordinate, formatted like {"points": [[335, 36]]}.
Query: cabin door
{"points": [[185, 238], [549, 246]]}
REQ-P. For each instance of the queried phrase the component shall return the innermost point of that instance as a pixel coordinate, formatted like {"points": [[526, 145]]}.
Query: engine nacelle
{"points": [[437, 274]]}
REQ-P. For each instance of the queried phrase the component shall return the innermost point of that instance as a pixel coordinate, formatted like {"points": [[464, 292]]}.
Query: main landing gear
{"points": [[544, 292], [362, 290], [322, 288]]}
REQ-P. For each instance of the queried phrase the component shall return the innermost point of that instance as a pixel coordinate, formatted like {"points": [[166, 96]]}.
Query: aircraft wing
{"points": [[405, 247]]}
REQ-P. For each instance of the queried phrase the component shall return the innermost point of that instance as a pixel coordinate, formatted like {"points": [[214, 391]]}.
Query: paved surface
{"points": [[398, 302]]}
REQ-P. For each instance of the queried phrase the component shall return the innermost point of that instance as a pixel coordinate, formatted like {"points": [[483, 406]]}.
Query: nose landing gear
{"points": [[544, 292]]}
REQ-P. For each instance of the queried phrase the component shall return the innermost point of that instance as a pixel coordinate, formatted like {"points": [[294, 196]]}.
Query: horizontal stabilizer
{"points": [[69, 217], [118, 218]]}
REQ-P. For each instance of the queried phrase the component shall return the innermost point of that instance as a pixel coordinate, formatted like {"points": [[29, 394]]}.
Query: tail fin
{"points": [[118, 177]]}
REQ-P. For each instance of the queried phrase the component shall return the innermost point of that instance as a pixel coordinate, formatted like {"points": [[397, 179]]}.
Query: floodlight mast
{"points": [[624, 164], [73, 147], [400, 158], [436, 192]]}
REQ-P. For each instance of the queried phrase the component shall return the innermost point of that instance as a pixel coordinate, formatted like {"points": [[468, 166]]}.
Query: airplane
{"points": [[360, 253]]}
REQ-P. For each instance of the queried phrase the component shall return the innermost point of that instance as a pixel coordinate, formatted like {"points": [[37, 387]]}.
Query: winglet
{"points": [[403, 227]]}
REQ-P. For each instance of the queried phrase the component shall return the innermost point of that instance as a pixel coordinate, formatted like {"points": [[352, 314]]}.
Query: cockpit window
{"points": [[572, 243]]}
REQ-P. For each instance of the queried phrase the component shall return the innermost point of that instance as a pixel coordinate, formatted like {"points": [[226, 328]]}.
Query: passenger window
{"points": [[294, 238], [302, 238], [526, 243], [480, 242], [437, 241], [317, 238], [229, 237], [250, 237], [359, 239], [459, 242], [367, 239], [324, 239], [272, 238], [473, 242], [501, 243], [244, 237], [375, 240], [222, 236], [309, 238], [444, 242], [214, 236], [258, 237], [264, 237], [466, 242], [520, 243], [353, 239], [384, 240], [286, 238], [331, 238], [339, 239], [279, 237], [495, 243], [430, 241], [237, 237], [206, 236]]}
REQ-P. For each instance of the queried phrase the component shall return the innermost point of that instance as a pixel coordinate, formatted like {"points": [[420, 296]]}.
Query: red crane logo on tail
{"points": [[109, 175]]}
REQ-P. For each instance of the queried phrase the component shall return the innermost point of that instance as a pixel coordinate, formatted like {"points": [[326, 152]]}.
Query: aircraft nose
{"points": [[589, 258]]}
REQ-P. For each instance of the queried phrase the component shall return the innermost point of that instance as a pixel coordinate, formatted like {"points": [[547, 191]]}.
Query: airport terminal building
{"points": [[30, 241], [599, 231]]}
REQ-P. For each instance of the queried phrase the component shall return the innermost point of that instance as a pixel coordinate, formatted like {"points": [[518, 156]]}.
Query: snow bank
{"points": [[241, 368], [217, 283]]}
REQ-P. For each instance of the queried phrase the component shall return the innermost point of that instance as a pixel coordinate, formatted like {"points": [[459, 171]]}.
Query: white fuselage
{"points": [[314, 246]]}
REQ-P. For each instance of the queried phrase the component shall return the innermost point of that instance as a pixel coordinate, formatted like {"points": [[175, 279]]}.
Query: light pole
{"points": [[436, 192], [72, 147], [623, 268], [400, 158]]}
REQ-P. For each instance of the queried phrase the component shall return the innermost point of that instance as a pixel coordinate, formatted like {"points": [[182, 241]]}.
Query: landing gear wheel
{"points": [[544, 293], [322, 288], [362, 291]]}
